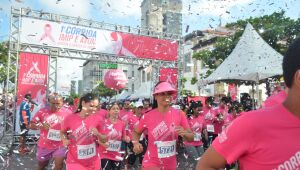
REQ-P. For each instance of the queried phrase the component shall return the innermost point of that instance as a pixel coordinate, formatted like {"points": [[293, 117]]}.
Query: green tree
{"points": [[194, 80], [103, 91], [276, 29], [3, 61]]}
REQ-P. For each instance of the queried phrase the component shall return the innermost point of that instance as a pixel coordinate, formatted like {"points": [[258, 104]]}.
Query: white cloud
{"points": [[212, 8], [74, 8]]}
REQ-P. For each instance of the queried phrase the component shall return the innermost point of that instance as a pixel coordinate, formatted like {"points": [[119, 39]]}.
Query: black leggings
{"points": [[107, 164], [132, 157]]}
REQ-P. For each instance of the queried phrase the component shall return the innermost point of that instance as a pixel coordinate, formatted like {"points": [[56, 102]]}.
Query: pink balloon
{"points": [[115, 79]]}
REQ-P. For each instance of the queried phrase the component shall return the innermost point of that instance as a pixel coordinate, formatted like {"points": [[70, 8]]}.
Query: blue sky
{"points": [[198, 14]]}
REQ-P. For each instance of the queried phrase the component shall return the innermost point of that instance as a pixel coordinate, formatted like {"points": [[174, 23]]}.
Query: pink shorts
{"points": [[77, 166], [44, 154]]}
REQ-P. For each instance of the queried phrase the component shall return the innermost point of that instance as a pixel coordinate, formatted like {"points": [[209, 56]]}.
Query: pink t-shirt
{"points": [[50, 139], [100, 115], [275, 99], [82, 147], [218, 123], [197, 124], [209, 117], [115, 133], [132, 122], [125, 115], [161, 137], [263, 139]]}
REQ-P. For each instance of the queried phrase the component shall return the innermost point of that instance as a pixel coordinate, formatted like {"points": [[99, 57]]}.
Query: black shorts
{"points": [[23, 130]]}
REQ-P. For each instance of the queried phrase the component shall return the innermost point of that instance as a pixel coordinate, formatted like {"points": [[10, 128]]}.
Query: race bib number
{"points": [[197, 137], [210, 128], [86, 151], [114, 145], [54, 135], [166, 148]]}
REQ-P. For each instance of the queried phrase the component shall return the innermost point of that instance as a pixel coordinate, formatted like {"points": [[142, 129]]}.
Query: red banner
{"points": [[169, 75], [32, 79], [146, 47], [232, 90]]}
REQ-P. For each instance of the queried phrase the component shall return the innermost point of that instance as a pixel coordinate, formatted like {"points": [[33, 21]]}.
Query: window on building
{"points": [[125, 71], [187, 61], [148, 77], [132, 87]]}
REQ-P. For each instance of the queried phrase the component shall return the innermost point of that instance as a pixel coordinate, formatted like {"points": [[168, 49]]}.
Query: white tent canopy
{"points": [[123, 95], [251, 60], [143, 92]]}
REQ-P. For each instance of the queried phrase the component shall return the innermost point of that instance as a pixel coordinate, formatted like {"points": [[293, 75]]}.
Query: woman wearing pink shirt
{"points": [[164, 125], [77, 133], [194, 150], [114, 129]]}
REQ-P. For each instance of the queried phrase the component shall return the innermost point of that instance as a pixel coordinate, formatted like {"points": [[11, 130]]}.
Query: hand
{"points": [[127, 139], [180, 131], [137, 148], [45, 126], [104, 144], [95, 132]]}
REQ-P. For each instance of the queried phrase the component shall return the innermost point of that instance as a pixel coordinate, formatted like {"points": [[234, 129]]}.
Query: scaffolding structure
{"points": [[15, 47]]}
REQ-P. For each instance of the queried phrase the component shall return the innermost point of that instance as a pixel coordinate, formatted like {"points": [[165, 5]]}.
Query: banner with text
{"points": [[32, 79], [90, 39]]}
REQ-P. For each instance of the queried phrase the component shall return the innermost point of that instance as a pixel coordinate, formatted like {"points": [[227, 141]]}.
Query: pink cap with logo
{"points": [[164, 87]]}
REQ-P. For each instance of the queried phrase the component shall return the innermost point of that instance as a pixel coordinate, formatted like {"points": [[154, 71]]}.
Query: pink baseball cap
{"points": [[164, 87]]}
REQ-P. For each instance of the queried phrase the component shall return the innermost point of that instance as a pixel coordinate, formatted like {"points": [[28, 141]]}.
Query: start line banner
{"points": [[70, 36]]}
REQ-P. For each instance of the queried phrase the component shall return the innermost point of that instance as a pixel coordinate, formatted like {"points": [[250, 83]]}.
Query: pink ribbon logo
{"points": [[47, 33]]}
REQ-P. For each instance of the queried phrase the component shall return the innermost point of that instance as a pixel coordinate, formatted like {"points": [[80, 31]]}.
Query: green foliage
{"points": [[3, 61], [103, 91], [194, 80], [183, 81], [275, 29]]}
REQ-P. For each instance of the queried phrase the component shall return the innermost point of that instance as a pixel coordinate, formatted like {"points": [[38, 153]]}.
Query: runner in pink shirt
{"points": [[164, 125], [146, 106], [114, 129], [220, 113], [194, 149], [77, 132], [126, 112], [265, 139], [48, 121], [132, 123]]}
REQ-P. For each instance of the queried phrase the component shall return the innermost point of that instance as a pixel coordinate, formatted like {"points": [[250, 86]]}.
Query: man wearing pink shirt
{"points": [[126, 112], [146, 106], [48, 121], [267, 138]]}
